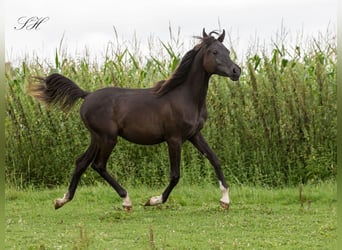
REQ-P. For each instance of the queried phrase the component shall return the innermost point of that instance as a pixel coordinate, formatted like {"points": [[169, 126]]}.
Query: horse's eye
{"points": [[215, 52]]}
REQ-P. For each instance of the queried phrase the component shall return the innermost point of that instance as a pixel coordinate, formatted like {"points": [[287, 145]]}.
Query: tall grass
{"points": [[275, 126]]}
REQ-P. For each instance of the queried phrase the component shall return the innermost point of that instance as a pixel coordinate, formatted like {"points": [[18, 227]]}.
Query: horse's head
{"points": [[216, 58]]}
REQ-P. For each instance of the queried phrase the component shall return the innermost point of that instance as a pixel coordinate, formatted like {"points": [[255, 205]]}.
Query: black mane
{"points": [[180, 74]]}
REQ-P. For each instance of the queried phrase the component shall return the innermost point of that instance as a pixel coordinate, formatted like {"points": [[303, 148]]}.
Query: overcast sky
{"points": [[86, 23]]}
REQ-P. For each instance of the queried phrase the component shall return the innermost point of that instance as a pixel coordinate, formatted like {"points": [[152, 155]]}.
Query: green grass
{"points": [[259, 218]]}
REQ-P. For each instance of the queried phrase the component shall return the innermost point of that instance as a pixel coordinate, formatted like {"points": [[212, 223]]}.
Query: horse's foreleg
{"points": [[81, 165], [199, 142], [174, 147]]}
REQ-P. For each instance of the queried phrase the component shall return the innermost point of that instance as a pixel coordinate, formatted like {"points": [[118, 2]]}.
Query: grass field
{"points": [[259, 218]]}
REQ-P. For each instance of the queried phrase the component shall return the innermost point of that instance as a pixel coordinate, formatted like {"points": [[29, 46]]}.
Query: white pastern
{"points": [[60, 202], [225, 193], [156, 200], [127, 201]]}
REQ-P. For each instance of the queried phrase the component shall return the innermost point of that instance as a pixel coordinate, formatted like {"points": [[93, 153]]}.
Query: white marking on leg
{"points": [[225, 193], [127, 202], [60, 202], [156, 200]]}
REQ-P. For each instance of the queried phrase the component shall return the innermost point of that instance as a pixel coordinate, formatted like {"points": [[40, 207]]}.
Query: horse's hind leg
{"points": [[81, 165], [106, 145]]}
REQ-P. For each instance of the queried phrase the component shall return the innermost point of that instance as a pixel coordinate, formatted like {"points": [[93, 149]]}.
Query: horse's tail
{"points": [[57, 90]]}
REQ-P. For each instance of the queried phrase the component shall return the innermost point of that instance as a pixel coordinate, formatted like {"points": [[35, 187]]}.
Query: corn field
{"points": [[276, 126]]}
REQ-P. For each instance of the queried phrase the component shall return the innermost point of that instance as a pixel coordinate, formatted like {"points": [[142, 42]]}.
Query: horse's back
{"points": [[135, 114], [105, 99]]}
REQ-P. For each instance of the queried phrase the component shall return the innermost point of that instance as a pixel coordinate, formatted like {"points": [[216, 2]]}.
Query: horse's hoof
{"points": [[58, 204], [127, 208], [156, 200], [224, 205]]}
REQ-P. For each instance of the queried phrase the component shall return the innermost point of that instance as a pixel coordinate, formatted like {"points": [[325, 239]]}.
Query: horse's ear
{"points": [[204, 34], [221, 37]]}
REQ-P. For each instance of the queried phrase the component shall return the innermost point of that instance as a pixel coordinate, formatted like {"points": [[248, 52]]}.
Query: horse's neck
{"points": [[196, 85]]}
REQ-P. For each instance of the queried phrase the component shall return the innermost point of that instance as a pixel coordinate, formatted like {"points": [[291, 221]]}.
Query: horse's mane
{"points": [[181, 73]]}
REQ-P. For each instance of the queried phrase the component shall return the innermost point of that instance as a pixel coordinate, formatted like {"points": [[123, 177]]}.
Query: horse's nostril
{"points": [[236, 70]]}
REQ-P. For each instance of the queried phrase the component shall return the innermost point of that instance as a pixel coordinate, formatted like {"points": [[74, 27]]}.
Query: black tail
{"points": [[57, 90]]}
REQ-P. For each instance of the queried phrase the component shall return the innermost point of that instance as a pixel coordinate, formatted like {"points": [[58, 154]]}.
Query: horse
{"points": [[172, 111]]}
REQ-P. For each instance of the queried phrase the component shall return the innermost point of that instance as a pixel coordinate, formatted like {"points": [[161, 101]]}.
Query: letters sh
{"points": [[30, 23]]}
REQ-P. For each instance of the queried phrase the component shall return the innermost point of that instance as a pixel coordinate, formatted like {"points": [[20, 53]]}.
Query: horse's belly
{"points": [[141, 136], [142, 140]]}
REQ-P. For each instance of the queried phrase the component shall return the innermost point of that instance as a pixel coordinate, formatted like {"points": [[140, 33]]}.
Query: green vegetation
{"points": [[259, 218], [272, 130], [275, 127]]}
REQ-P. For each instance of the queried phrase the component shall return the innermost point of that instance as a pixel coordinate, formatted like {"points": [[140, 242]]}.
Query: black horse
{"points": [[173, 111]]}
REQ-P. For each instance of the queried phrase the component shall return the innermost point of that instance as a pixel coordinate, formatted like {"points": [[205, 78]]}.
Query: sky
{"points": [[94, 24]]}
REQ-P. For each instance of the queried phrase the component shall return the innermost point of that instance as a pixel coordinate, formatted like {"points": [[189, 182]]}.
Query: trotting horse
{"points": [[172, 111]]}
